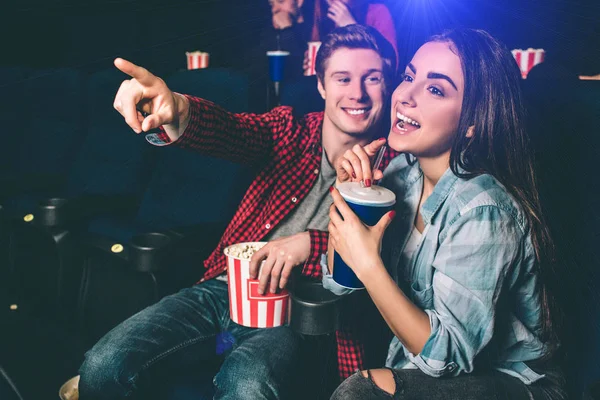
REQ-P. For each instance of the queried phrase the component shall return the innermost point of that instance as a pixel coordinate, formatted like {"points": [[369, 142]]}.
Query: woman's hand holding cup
{"points": [[355, 164]]}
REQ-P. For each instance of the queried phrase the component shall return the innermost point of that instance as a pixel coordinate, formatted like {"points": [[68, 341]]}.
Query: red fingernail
{"points": [[331, 188], [354, 175], [367, 182], [381, 138], [392, 214]]}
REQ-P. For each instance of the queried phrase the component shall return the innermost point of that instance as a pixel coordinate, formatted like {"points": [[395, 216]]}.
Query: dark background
{"points": [[88, 34]]}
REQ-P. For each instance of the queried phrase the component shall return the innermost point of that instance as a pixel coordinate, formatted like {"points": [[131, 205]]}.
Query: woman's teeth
{"points": [[404, 118]]}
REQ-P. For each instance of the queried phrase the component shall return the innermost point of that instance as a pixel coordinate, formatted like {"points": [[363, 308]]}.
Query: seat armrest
{"points": [[107, 245], [57, 211], [156, 251], [8, 389]]}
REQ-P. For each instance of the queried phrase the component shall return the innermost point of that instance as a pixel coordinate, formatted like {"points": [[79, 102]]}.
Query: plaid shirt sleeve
{"points": [[350, 353], [318, 247], [245, 137]]}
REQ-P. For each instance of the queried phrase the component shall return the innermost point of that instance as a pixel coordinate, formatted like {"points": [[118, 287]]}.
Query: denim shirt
{"points": [[473, 273]]}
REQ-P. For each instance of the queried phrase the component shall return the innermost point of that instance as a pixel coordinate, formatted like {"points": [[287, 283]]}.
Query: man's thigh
{"points": [[180, 329], [262, 364]]}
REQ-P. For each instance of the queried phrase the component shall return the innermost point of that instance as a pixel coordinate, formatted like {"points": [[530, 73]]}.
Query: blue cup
{"points": [[276, 64], [369, 204]]}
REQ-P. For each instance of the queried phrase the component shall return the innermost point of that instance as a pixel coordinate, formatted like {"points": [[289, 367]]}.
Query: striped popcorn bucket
{"points": [[526, 59], [313, 48], [197, 59], [247, 307]]}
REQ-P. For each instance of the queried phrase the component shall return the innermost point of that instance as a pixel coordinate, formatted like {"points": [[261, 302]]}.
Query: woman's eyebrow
{"points": [[436, 75]]}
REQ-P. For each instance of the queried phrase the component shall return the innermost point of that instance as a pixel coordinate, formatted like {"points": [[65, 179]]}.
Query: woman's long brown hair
{"points": [[500, 146]]}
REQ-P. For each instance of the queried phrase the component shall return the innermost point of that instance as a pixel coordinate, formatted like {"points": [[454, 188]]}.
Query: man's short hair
{"points": [[357, 37]]}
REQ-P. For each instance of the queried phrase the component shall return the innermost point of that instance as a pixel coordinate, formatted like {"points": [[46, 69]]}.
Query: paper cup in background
{"points": [[197, 59], [313, 48], [277, 64], [369, 204], [247, 307], [527, 59]]}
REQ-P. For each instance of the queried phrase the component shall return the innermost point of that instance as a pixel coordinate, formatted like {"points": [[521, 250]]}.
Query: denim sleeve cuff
{"points": [[329, 283], [158, 138], [431, 367]]}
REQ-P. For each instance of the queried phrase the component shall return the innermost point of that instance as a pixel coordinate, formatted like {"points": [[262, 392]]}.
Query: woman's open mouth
{"points": [[405, 124]]}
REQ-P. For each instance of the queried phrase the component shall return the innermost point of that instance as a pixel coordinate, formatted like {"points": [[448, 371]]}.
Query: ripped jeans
{"points": [[488, 385]]}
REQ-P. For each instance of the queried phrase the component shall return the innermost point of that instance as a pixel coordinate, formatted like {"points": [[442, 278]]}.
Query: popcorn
{"points": [[247, 306], [243, 251], [197, 59]]}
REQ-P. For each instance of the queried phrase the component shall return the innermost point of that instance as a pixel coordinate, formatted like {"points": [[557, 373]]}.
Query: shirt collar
{"points": [[440, 192]]}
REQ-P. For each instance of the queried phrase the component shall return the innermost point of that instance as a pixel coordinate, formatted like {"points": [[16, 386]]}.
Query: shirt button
{"points": [[294, 199], [268, 226], [316, 171]]}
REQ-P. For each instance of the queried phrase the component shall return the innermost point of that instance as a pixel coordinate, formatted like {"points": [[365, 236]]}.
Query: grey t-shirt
{"points": [[313, 210], [311, 213]]}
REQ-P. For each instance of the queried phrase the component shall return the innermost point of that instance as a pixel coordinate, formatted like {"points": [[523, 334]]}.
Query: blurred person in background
{"points": [[330, 14], [289, 31]]}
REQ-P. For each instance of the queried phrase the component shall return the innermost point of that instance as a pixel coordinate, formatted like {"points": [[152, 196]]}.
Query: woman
{"points": [[331, 14], [462, 276]]}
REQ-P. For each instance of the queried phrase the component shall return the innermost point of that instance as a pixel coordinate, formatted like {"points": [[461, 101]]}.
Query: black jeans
{"points": [[489, 385]]}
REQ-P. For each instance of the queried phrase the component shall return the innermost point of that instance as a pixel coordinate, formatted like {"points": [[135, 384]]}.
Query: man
{"points": [[287, 196]]}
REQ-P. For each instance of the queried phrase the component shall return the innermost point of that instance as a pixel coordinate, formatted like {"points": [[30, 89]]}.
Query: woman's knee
{"points": [[361, 385], [383, 378]]}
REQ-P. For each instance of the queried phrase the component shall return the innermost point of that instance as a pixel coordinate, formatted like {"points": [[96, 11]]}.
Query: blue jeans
{"points": [[181, 330]]}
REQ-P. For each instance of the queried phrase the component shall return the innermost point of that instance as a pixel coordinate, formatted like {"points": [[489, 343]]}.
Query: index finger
{"points": [[142, 75], [372, 148], [341, 205], [256, 259]]}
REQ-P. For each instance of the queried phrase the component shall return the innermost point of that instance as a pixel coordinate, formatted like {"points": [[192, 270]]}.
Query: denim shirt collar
{"points": [[440, 192]]}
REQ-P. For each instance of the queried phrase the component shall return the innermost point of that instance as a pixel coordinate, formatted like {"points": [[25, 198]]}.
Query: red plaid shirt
{"points": [[292, 150]]}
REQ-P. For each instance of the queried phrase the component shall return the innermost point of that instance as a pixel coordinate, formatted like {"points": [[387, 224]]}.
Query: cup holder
{"points": [[53, 212], [314, 309], [148, 251]]}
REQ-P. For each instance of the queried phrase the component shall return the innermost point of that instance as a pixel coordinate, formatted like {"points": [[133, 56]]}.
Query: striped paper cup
{"points": [[247, 307], [527, 59], [197, 59], [313, 49]]}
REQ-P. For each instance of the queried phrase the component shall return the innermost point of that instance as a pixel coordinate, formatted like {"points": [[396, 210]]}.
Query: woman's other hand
{"points": [[355, 164]]}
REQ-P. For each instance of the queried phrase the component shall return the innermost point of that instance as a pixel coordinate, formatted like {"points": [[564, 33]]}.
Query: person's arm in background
{"points": [[379, 17]]}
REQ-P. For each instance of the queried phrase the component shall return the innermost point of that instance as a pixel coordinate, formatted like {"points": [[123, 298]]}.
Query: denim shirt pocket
{"points": [[422, 298]]}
